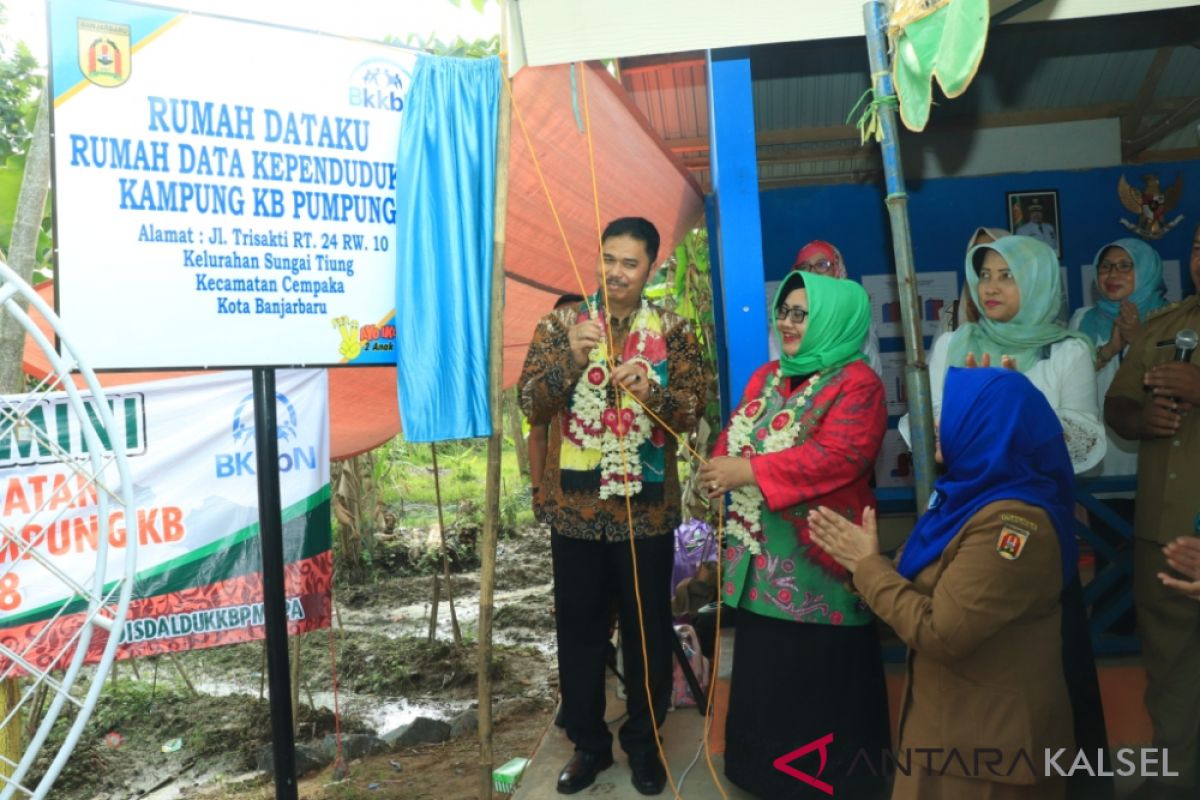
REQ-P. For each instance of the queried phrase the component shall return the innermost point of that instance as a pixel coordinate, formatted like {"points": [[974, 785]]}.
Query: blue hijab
{"points": [[1001, 440], [1149, 291]]}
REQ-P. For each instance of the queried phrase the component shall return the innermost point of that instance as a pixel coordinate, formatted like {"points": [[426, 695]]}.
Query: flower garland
{"points": [[745, 507], [617, 432]]}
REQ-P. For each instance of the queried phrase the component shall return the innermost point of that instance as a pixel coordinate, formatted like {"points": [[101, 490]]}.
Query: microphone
{"points": [[1185, 345]]}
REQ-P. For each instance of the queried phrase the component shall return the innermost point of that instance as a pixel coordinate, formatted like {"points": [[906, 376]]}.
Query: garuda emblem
{"points": [[1151, 204]]}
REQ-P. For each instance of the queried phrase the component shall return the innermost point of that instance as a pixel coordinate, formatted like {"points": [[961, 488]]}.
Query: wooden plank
{"points": [[1131, 122]]}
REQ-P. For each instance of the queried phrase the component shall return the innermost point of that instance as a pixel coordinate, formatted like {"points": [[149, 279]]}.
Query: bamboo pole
{"points": [[295, 687], [487, 547], [916, 370], [433, 612], [437, 490]]}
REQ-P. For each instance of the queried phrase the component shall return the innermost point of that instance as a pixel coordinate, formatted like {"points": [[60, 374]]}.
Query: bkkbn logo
{"points": [[379, 84], [229, 465]]}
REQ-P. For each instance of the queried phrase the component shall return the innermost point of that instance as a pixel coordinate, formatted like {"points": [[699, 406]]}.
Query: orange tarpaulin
{"points": [[636, 175]]}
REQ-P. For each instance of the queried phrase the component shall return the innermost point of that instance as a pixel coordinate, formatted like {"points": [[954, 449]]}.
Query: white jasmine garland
{"points": [[597, 426], [745, 507]]}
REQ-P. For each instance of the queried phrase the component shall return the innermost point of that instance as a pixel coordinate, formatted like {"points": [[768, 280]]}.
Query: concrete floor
{"points": [[682, 735], [1122, 683]]}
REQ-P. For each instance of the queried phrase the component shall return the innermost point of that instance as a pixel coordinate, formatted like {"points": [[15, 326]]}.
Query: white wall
{"points": [[1026, 148]]}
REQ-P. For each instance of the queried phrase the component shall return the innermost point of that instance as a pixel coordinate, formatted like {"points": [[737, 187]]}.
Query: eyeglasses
{"points": [[1121, 267], [822, 266], [793, 314]]}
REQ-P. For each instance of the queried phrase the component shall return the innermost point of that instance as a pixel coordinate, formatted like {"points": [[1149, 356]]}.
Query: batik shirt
{"points": [[544, 390]]}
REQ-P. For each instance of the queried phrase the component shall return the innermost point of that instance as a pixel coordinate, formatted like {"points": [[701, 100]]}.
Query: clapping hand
{"points": [[1183, 555], [1128, 322], [839, 537], [1008, 362]]}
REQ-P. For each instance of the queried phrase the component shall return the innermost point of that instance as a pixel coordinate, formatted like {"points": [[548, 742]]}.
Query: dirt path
{"points": [[151, 738]]}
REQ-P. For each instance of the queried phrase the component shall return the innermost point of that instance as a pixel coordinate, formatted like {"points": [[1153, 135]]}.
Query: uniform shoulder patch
{"points": [[1011, 543], [1167, 309], [1022, 523]]}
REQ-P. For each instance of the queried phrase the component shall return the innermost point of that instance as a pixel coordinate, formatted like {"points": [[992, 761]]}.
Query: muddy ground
{"points": [[151, 737]]}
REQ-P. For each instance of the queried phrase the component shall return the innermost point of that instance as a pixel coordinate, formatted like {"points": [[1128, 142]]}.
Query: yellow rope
{"points": [[680, 439], [612, 356], [542, 178]]}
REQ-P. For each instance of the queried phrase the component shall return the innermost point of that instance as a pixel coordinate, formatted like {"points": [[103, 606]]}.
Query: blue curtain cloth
{"points": [[445, 193]]}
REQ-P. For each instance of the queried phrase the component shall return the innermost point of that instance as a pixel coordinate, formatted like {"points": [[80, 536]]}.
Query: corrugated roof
{"points": [[1140, 67]]}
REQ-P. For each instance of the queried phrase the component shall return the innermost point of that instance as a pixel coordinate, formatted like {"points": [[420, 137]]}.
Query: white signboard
{"points": [[224, 190]]}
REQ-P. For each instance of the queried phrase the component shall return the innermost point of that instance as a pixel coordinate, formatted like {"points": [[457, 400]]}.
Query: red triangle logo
{"points": [[820, 745]]}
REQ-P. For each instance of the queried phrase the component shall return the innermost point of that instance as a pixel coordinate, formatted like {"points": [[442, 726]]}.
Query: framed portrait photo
{"points": [[1035, 214]]}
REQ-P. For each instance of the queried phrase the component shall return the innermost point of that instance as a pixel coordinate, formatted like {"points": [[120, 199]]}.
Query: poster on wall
{"points": [[1036, 214], [215, 207], [893, 382], [936, 292], [894, 464], [190, 443]]}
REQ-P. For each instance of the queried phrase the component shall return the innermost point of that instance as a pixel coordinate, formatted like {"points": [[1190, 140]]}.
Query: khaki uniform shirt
{"points": [[982, 624], [1168, 472]]}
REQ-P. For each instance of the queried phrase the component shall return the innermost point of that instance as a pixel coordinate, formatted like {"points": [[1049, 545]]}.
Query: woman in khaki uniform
{"points": [[975, 596]]}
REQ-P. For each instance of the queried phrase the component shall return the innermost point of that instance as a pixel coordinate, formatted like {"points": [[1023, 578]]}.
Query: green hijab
{"points": [[1035, 268], [839, 313]]}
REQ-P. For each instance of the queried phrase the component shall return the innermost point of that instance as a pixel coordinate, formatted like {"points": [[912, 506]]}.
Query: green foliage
{"points": [[684, 285], [12, 172], [20, 82], [458, 48], [404, 473]]}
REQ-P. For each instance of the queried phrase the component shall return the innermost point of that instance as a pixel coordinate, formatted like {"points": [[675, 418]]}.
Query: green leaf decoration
{"points": [[963, 41], [947, 44]]}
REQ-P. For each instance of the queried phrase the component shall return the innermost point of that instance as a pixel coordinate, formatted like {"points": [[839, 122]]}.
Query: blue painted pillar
{"points": [[735, 227]]}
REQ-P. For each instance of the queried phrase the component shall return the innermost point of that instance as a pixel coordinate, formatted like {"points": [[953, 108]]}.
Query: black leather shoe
{"points": [[580, 772], [649, 777]]}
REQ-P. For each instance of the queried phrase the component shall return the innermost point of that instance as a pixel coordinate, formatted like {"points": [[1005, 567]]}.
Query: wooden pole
{"points": [[437, 490], [433, 612], [487, 547]]}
